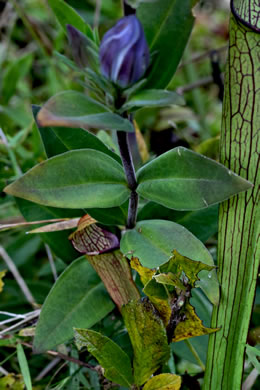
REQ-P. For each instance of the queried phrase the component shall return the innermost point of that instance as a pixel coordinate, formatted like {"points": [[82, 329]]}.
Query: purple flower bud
{"points": [[124, 53], [78, 44]]}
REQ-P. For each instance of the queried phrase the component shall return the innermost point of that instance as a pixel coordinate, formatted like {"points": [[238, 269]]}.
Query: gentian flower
{"points": [[124, 53]]}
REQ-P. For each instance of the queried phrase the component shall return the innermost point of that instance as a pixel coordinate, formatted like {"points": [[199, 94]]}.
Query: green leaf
{"points": [[67, 15], [202, 223], [75, 179], [16, 71], [209, 285], [184, 180], [153, 98], [57, 140], [163, 382], [253, 354], [110, 356], [24, 367], [167, 28], [148, 338], [200, 345], [74, 109], [77, 299], [153, 242]]}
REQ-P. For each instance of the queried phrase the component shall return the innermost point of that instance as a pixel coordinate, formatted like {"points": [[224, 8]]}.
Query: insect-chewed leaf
{"points": [[163, 382], [153, 241], [156, 293], [191, 326], [148, 338], [170, 279], [159, 297], [178, 264], [91, 239], [110, 356]]}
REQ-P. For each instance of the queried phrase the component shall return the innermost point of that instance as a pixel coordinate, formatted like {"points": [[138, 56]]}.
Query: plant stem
{"points": [[195, 354], [238, 246], [132, 210], [128, 165]]}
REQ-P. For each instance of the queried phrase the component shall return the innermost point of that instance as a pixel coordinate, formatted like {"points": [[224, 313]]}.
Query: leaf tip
{"points": [[9, 189]]}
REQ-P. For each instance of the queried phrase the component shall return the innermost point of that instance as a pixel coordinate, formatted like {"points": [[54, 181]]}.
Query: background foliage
{"points": [[30, 74]]}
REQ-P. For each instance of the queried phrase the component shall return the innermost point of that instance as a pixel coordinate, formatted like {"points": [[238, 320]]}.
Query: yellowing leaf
{"points": [[2, 274], [163, 382], [191, 326], [27, 332], [171, 280], [12, 381], [145, 273], [178, 264], [157, 293], [148, 337], [163, 307]]}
